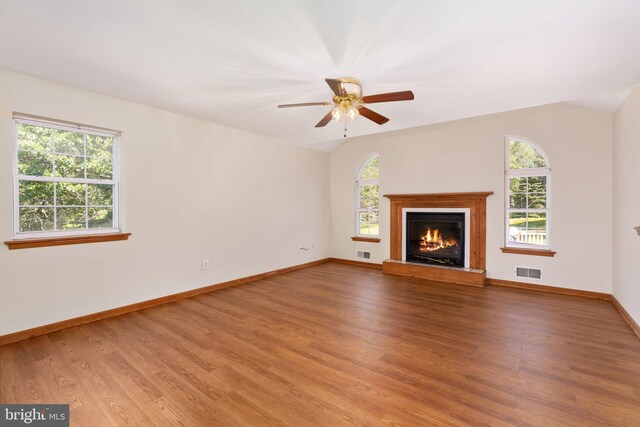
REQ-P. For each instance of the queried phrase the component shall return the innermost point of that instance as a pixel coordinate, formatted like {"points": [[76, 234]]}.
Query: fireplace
{"points": [[436, 238], [456, 216]]}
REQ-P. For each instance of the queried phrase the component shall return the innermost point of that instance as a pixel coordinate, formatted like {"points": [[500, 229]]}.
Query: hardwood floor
{"points": [[340, 345]]}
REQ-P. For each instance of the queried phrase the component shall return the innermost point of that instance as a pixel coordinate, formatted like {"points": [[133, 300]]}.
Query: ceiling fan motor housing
{"points": [[351, 86]]}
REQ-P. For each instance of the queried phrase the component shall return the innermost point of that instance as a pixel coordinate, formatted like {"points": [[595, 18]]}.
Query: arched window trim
{"points": [[359, 183], [526, 172]]}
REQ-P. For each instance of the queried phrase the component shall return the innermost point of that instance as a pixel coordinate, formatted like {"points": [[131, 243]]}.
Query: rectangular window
{"points": [[527, 211], [66, 180], [368, 208]]}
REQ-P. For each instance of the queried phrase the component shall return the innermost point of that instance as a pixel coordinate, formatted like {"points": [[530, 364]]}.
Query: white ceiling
{"points": [[232, 62]]}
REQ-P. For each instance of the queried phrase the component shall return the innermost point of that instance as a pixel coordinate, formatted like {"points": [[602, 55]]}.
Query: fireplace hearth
{"points": [[436, 238]]}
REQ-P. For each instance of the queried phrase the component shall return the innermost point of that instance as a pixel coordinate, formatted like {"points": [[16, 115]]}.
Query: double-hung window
{"points": [[367, 198], [528, 185], [66, 179]]}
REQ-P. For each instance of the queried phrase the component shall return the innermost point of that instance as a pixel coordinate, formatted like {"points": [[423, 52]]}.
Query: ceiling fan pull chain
{"points": [[345, 125]]}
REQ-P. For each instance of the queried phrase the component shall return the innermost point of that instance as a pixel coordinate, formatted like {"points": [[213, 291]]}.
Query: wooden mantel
{"points": [[477, 205]]}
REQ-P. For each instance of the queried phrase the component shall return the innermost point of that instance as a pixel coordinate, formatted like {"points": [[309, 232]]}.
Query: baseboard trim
{"points": [[546, 288], [76, 321], [626, 316], [358, 263]]}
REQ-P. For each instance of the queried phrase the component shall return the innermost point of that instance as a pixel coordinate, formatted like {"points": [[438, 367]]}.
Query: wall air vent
{"points": [[530, 273], [364, 255]]}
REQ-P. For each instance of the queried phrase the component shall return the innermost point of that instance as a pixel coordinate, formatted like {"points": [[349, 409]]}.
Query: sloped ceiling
{"points": [[232, 62]]}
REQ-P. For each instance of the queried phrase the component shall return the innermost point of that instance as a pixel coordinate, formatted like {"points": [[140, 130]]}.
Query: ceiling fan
{"points": [[348, 102]]}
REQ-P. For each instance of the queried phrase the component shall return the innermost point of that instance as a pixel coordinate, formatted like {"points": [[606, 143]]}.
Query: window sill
{"points": [[366, 239], [59, 241], [523, 251]]}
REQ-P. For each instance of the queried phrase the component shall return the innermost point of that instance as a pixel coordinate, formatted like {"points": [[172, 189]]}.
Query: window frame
{"points": [[520, 173], [115, 180], [359, 183]]}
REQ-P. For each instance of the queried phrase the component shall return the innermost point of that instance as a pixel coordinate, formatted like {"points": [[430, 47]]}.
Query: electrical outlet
{"points": [[205, 264]]}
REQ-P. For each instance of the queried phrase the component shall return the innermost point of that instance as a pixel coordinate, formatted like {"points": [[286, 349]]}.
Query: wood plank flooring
{"points": [[339, 345]]}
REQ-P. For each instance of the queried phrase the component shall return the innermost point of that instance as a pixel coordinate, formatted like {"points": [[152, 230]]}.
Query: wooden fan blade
{"points": [[304, 104], [372, 115], [388, 97], [336, 87], [326, 119]]}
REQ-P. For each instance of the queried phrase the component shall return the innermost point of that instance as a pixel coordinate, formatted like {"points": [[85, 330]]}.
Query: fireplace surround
{"points": [[447, 209]]}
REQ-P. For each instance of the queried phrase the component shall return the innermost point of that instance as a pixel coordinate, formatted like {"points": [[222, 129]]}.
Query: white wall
{"points": [[626, 204], [190, 190], [468, 155]]}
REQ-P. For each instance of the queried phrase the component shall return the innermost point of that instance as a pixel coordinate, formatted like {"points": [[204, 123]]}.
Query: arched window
{"points": [[367, 197], [528, 181]]}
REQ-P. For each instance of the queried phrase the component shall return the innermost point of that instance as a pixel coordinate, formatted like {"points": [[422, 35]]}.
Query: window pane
{"points": [[524, 156], [36, 219], [69, 166], [537, 184], [518, 201], [369, 196], [528, 228], [518, 185], [35, 163], [537, 232], [517, 227], [370, 170], [70, 194], [537, 200], [35, 193], [369, 222], [34, 138], [99, 168], [99, 146], [70, 218], [100, 195], [69, 142], [100, 218]]}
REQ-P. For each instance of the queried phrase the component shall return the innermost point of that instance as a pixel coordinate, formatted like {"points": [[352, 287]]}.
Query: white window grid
{"points": [[114, 182]]}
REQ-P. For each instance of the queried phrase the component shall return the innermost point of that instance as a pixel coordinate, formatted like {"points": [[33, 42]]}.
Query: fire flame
{"points": [[432, 241]]}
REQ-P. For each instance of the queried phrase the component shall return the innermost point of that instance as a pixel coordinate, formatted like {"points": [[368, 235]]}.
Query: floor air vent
{"points": [[364, 255], [531, 273]]}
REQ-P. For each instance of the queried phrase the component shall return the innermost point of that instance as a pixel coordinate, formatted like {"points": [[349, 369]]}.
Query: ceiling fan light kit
{"points": [[348, 102]]}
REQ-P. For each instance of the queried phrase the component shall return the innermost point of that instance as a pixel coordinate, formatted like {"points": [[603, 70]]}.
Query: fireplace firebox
{"points": [[436, 238]]}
